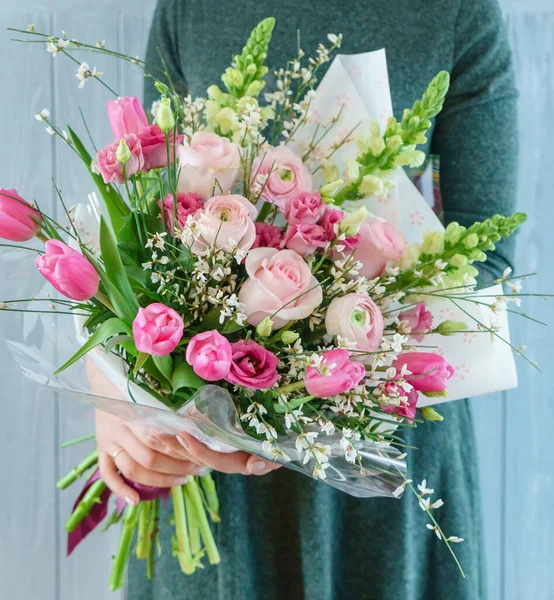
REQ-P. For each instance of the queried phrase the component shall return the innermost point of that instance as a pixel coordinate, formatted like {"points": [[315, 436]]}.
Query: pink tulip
{"points": [[210, 355], [157, 329], [419, 321], [405, 403], [336, 375], [253, 366], [68, 271], [126, 115], [19, 221], [429, 372]]}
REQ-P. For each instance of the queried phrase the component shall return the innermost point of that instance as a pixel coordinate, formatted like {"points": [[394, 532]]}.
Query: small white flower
{"points": [[400, 489], [43, 115], [454, 539], [423, 489], [437, 504], [50, 131], [435, 529], [101, 44]]}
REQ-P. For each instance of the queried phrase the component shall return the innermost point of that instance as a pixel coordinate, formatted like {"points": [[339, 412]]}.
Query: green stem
{"points": [[123, 552], [292, 387], [152, 538], [105, 301], [208, 485], [77, 471], [192, 520], [184, 555], [79, 440], [264, 211], [203, 523], [84, 507], [143, 529]]}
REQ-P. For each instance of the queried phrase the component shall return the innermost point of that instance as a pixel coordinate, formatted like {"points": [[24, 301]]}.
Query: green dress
{"points": [[284, 536]]}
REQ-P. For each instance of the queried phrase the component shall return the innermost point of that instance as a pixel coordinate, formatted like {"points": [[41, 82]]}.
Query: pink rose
{"points": [[379, 243], [281, 175], [226, 222], [187, 204], [336, 375], [154, 147], [110, 169], [419, 321], [210, 355], [157, 329], [209, 164], [126, 116], [268, 236], [394, 399], [305, 208], [253, 366], [429, 372], [68, 271], [305, 238], [19, 221], [280, 282], [357, 320]]}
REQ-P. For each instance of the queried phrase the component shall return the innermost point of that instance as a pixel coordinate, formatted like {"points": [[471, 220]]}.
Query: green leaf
{"points": [[114, 203], [231, 327], [104, 332], [122, 308], [185, 377], [292, 405], [165, 365], [142, 358]]}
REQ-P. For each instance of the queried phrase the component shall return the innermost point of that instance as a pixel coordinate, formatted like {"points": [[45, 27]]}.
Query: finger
{"points": [[259, 466], [114, 481], [234, 462], [158, 440], [152, 460], [171, 446], [132, 470]]}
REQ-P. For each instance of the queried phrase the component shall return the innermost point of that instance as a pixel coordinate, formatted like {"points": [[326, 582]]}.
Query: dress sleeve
{"points": [[476, 135], [163, 39]]}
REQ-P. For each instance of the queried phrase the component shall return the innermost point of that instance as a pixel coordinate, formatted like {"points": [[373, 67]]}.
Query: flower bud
{"points": [[289, 337], [429, 413], [255, 88], [164, 117], [372, 186], [394, 142], [433, 243], [351, 224], [161, 87], [225, 118], [214, 93], [471, 240], [264, 328], [123, 154], [458, 260], [330, 189], [451, 327]]}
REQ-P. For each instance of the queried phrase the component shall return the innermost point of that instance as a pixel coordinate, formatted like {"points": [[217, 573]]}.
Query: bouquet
{"points": [[258, 271]]}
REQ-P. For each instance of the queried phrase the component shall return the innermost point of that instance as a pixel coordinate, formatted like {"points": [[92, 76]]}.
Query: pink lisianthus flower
{"points": [[357, 320], [252, 366], [281, 175], [394, 399], [268, 236], [126, 115], [419, 321], [19, 221], [210, 355], [429, 372], [306, 208], [336, 375], [330, 221], [187, 204], [154, 147], [280, 285], [68, 271], [110, 169], [305, 238], [157, 329]]}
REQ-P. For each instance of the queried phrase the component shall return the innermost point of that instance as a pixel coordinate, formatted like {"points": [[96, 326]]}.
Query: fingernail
{"points": [[130, 501], [199, 470], [182, 480], [257, 467], [183, 442]]}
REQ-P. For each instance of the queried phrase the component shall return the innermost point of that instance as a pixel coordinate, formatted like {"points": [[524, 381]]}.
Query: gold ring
{"points": [[118, 451]]}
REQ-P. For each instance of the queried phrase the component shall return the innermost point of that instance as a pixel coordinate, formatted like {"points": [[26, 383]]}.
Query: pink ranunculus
{"points": [[336, 375], [305, 207], [280, 285], [187, 204], [225, 222], [407, 401], [157, 329], [357, 320], [253, 366], [154, 147], [126, 116], [379, 243], [209, 164], [268, 236], [19, 221], [429, 372], [419, 321], [210, 355], [110, 169], [68, 271], [282, 175], [305, 238]]}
